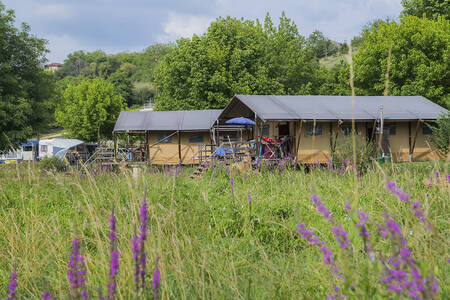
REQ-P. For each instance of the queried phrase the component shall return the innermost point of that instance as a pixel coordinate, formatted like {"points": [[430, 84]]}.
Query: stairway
{"points": [[101, 154]]}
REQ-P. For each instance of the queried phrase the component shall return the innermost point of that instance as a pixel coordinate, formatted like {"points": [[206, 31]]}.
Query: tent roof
{"points": [[61, 142], [270, 107], [184, 120]]}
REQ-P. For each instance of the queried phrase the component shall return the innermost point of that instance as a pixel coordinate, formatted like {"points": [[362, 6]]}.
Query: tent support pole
{"points": [[115, 145], [299, 134], [179, 147], [147, 152], [414, 141]]}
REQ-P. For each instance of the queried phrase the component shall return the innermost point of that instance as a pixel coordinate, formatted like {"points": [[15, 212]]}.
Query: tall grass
{"points": [[207, 246]]}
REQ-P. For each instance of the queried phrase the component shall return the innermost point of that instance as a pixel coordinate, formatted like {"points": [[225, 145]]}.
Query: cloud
{"points": [[54, 11], [181, 25], [118, 25]]}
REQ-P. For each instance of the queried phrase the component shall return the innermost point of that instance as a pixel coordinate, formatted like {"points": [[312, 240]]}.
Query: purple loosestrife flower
{"points": [[308, 235], [77, 271], [232, 184], [114, 266], [405, 197], [341, 236], [321, 208], [12, 286], [142, 238], [156, 283], [135, 251]]}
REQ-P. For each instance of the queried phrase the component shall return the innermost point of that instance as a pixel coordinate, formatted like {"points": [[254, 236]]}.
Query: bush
{"points": [[52, 164], [342, 154], [441, 133]]}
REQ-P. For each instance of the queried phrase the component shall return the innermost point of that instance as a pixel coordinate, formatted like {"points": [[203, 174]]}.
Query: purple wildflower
{"points": [[46, 296], [341, 236], [156, 283], [114, 267], [308, 235], [143, 236], [12, 287], [403, 196], [347, 207], [77, 271], [327, 256], [232, 184], [135, 250], [321, 208]]}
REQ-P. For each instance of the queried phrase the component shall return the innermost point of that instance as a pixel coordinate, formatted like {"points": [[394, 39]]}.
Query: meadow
{"points": [[217, 238]]}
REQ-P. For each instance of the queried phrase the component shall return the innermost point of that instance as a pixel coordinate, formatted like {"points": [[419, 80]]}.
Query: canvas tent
{"points": [[311, 122], [171, 137]]}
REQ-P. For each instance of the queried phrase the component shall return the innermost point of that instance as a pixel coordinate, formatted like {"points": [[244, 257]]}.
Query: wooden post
{"points": [[115, 146], [179, 147], [147, 148], [299, 134], [409, 141], [414, 141]]}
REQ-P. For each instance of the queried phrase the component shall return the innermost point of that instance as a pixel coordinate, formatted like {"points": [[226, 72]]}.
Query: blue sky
{"points": [[132, 25]]}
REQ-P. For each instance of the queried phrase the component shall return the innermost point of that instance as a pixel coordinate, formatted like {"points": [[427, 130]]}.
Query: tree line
{"points": [[234, 56]]}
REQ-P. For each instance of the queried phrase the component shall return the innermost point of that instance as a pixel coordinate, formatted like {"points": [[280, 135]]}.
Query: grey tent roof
{"points": [[269, 107], [185, 120]]}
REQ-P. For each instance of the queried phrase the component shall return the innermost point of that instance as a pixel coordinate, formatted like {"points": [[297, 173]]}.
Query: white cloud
{"points": [[61, 45], [181, 25], [54, 11]]}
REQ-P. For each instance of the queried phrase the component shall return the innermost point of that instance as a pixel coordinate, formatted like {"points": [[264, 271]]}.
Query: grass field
{"points": [[334, 60], [211, 244]]}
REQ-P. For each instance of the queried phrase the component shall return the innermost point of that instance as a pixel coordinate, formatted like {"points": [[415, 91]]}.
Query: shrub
{"points": [[52, 164], [441, 133], [342, 154]]}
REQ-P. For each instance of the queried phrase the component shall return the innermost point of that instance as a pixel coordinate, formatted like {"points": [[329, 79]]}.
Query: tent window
{"points": [[196, 138], [392, 129], [426, 130], [164, 139], [265, 130], [44, 148], [316, 132], [347, 129]]}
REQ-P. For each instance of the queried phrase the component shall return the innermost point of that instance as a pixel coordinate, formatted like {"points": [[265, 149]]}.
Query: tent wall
{"points": [[167, 153]]}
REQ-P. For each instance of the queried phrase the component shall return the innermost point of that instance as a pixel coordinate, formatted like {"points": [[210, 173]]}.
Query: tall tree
{"points": [[420, 62], [25, 89], [235, 57], [90, 109], [432, 9]]}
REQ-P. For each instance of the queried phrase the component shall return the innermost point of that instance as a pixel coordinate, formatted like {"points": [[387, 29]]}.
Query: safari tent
{"points": [[308, 125], [170, 137]]}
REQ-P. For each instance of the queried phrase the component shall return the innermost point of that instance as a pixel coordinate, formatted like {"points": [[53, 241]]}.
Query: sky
{"points": [[132, 25]]}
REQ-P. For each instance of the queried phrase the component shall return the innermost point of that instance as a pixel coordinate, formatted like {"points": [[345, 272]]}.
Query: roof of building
{"points": [[270, 107], [184, 120]]}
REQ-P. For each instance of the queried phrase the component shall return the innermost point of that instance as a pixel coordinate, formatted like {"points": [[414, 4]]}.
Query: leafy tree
{"points": [[321, 45], [90, 109], [75, 65], [441, 133], [420, 62], [25, 88], [432, 9], [235, 57], [122, 86]]}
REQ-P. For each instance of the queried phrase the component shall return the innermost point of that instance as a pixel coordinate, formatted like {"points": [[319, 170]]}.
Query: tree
{"points": [[432, 9], [441, 133], [321, 45], [25, 88], [235, 57], [90, 109], [420, 65]]}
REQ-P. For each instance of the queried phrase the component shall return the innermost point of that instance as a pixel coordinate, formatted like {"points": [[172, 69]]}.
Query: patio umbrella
{"points": [[240, 121]]}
